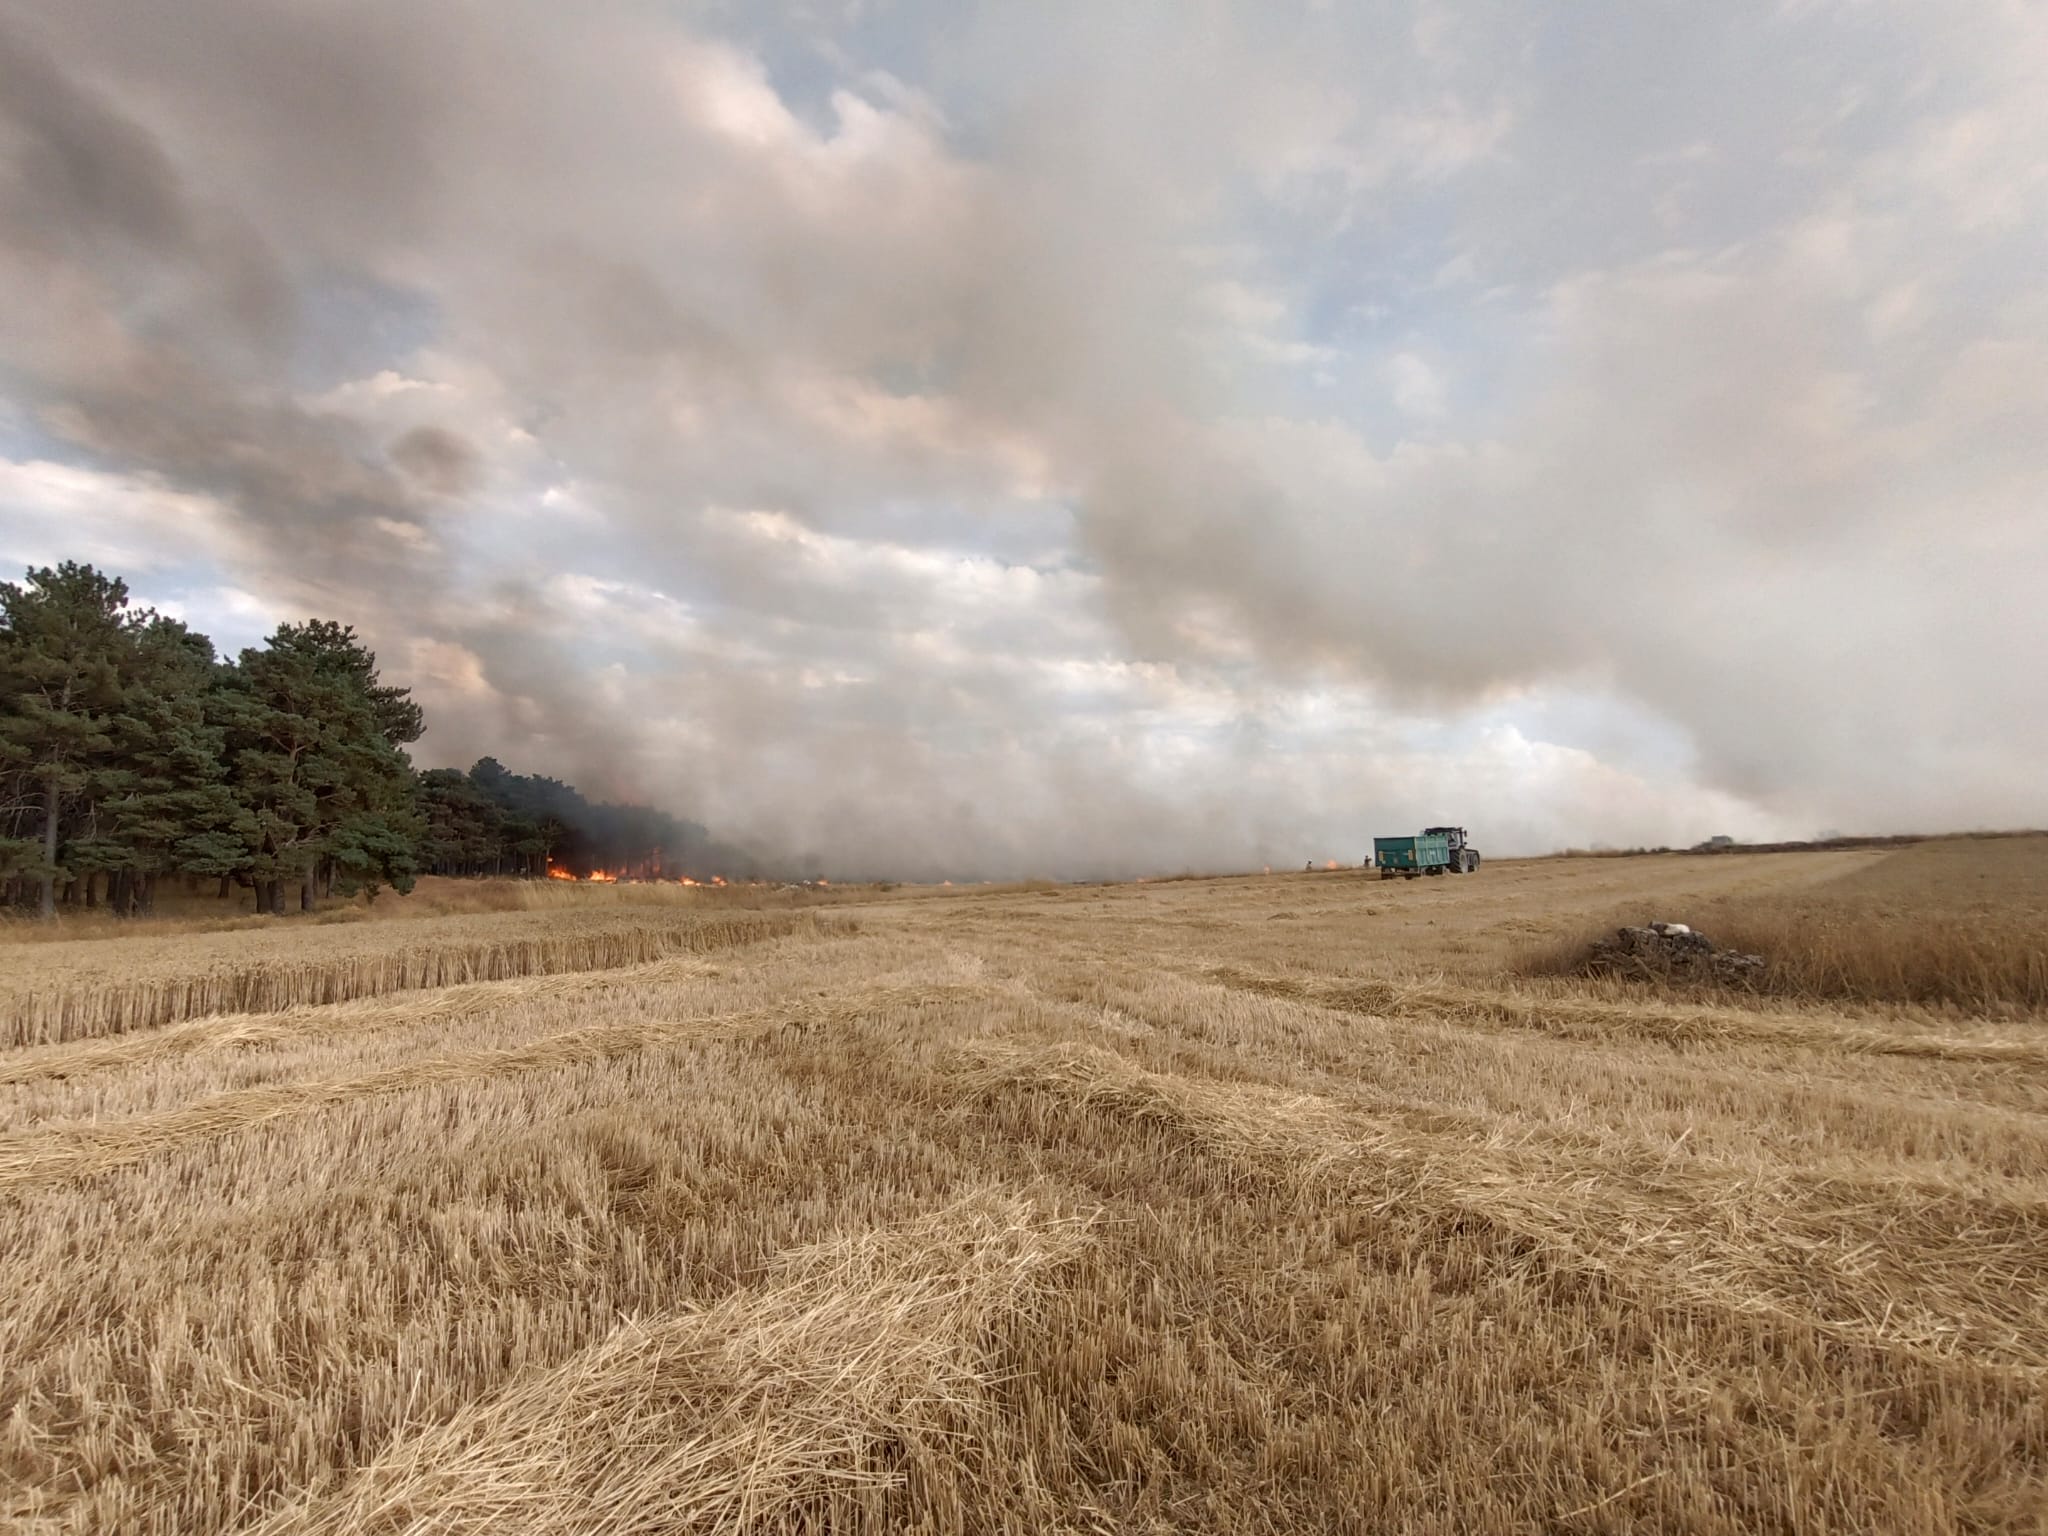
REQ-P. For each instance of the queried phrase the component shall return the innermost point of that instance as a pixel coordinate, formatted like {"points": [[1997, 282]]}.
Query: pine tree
{"points": [[164, 803], [64, 635], [319, 769]]}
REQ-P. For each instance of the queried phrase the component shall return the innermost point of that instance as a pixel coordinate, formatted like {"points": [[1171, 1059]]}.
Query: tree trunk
{"points": [[226, 885], [308, 887], [145, 895], [50, 802]]}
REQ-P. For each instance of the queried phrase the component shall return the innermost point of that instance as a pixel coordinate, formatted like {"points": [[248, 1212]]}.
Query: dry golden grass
{"points": [[1117, 1209], [1957, 925], [795, 1403]]}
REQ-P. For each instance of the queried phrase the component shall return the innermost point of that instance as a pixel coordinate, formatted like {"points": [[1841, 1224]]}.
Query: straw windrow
{"points": [[75, 1151], [798, 1404], [1956, 1281]]}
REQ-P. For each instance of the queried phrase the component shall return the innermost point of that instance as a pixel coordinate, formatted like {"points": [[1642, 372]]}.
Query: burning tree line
{"points": [[130, 752], [490, 821]]}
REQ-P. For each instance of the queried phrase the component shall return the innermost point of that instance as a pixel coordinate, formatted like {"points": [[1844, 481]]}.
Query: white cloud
{"points": [[1419, 390]]}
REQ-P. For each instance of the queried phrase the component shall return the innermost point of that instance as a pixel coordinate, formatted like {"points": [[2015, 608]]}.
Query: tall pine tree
{"points": [[64, 637], [165, 804], [319, 772]]}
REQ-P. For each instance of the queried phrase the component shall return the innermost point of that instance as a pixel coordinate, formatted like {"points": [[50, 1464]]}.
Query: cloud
{"points": [[1418, 388], [962, 448]]}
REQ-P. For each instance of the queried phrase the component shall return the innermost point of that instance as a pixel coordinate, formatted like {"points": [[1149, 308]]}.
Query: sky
{"points": [[955, 440]]}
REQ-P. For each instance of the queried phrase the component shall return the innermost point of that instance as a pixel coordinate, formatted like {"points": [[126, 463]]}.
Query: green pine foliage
{"points": [[64, 635], [131, 754]]}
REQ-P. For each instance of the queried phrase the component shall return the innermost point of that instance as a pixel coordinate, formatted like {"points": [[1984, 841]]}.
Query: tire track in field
{"points": [[79, 1151]]}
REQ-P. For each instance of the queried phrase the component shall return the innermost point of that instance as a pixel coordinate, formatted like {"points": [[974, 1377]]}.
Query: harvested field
{"points": [[1271, 1204]]}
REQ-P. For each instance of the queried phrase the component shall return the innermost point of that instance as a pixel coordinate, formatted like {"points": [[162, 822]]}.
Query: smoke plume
{"points": [[1071, 439]]}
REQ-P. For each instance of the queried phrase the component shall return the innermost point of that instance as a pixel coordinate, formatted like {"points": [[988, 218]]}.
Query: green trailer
{"points": [[1436, 851]]}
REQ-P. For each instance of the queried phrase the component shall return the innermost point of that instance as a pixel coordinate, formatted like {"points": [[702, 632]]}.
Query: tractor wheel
{"points": [[1471, 862], [1386, 874]]}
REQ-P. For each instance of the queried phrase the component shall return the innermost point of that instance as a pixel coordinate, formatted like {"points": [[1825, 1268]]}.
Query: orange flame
{"points": [[595, 877]]}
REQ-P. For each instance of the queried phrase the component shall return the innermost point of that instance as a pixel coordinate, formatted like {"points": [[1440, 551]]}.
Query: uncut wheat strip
{"points": [[1596, 1220], [768, 1405], [63, 1152], [1591, 1018], [236, 1031], [46, 1015], [271, 984]]}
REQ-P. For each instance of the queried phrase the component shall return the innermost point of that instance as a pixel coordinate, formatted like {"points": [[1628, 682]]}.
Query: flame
{"points": [[596, 876], [1332, 864], [649, 874]]}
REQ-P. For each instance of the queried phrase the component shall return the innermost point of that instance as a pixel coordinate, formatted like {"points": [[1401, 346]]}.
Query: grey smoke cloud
{"points": [[1065, 441]]}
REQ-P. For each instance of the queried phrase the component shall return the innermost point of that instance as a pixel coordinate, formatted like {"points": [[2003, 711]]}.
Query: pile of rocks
{"points": [[1670, 951]]}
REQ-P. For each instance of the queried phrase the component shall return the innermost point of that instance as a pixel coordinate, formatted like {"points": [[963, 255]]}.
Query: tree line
{"points": [[491, 821], [131, 753]]}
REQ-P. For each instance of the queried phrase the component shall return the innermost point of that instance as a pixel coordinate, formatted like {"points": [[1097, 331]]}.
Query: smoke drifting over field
{"points": [[1072, 441]]}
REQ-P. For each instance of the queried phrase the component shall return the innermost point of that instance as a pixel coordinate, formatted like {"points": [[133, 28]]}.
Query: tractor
{"points": [[1438, 851]]}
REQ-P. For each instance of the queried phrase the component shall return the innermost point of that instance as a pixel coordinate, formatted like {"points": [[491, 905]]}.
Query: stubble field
{"points": [[1293, 1203]]}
